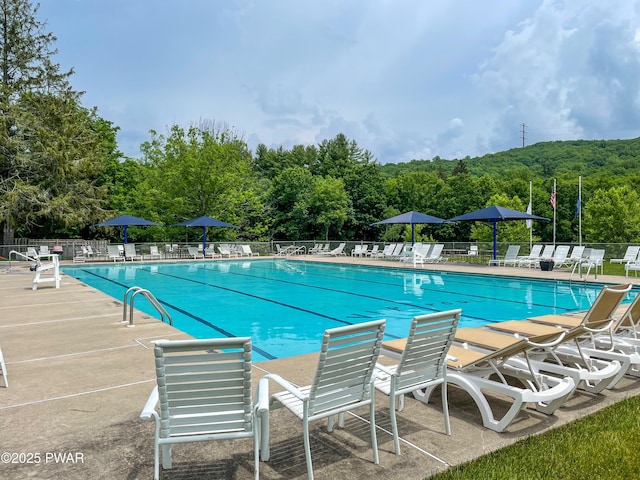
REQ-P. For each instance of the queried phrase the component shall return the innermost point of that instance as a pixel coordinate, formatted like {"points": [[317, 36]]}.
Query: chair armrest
{"points": [[552, 343], [262, 404], [149, 409], [383, 369], [288, 386]]}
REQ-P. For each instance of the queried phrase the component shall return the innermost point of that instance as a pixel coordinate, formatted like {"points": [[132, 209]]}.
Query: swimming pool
{"points": [[285, 305]]}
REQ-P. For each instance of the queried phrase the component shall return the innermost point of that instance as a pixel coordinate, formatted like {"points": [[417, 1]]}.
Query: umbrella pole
{"points": [[204, 239], [125, 234], [495, 242]]}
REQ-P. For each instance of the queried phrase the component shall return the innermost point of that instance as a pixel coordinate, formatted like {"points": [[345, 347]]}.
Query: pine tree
{"points": [[51, 148]]}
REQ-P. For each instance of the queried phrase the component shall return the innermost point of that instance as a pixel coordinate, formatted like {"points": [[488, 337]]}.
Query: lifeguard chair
{"points": [[50, 269]]}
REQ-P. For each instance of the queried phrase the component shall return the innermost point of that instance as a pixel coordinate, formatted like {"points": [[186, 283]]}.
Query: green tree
{"points": [[289, 200], [364, 186], [328, 205], [612, 216], [51, 148], [202, 170]]}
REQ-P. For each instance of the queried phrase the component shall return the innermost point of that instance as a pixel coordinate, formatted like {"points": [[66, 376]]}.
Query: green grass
{"points": [[605, 445]]}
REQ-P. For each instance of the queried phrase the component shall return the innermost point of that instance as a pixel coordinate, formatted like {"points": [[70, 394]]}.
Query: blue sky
{"points": [[405, 79]]}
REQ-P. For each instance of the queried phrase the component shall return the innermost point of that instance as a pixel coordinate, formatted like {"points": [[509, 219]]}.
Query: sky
{"points": [[405, 79]]}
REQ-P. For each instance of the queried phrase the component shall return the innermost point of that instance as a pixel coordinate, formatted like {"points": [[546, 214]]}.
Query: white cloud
{"points": [[405, 79]]}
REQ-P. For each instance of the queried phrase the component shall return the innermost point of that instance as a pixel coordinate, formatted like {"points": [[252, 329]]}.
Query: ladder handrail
{"points": [[152, 300], [23, 255]]}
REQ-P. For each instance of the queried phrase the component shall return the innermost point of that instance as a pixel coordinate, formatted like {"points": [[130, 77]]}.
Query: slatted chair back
{"points": [[204, 386], [425, 353], [347, 360], [203, 393]]}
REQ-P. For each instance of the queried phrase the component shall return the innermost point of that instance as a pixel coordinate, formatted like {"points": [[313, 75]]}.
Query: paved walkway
{"points": [[78, 379]]}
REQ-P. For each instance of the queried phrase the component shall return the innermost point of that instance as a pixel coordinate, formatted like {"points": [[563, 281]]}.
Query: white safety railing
{"points": [[129, 297]]}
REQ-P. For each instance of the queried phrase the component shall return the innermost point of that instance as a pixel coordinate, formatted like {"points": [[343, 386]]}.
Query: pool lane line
{"points": [[224, 332], [427, 306], [264, 299], [333, 290], [398, 272]]}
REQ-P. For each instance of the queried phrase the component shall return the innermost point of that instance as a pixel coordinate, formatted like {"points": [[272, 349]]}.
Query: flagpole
{"points": [[555, 200], [580, 210], [531, 204]]}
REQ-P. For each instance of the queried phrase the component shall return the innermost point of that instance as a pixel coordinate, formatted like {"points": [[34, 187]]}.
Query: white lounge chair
{"points": [[225, 251], [154, 253], [594, 375], [113, 252], [130, 252], [435, 255], [373, 253], [560, 255], [359, 250], [387, 251], [532, 258], [510, 258], [203, 393], [629, 256], [343, 381], [246, 250], [210, 252], [423, 364], [471, 369], [336, 252], [194, 252], [575, 257]]}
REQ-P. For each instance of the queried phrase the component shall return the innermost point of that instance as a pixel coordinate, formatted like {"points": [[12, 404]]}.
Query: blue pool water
{"points": [[285, 306]]}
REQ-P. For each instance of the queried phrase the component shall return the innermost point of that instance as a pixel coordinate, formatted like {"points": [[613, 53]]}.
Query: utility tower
{"points": [[523, 134]]}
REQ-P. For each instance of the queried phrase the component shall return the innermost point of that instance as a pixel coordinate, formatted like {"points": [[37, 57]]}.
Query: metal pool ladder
{"points": [[152, 300]]}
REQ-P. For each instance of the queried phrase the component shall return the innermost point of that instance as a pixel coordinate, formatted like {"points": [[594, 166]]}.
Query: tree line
{"points": [[61, 172]]}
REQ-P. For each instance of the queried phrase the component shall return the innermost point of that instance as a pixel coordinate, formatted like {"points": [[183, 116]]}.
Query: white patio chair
{"points": [[629, 256], [3, 367], [423, 364], [343, 382], [203, 393]]}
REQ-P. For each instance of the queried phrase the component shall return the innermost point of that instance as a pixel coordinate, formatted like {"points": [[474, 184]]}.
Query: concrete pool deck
{"points": [[78, 379]]}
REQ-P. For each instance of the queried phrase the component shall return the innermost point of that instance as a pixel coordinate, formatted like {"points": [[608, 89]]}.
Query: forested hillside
{"points": [[546, 159]]}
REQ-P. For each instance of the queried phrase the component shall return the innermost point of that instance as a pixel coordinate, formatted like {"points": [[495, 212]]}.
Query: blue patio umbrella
{"points": [[412, 218], [204, 222], [495, 214], [125, 221]]}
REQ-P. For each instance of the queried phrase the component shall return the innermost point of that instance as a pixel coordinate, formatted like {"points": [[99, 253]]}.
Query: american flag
{"points": [[552, 201]]}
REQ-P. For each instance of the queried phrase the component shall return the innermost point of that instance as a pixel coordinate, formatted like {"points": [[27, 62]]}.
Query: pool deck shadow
{"points": [[79, 377]]}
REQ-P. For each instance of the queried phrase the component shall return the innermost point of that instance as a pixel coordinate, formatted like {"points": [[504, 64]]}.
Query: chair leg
{"points": [[445, 409], [3, 367], [394, 424], [166, 456], [372, 424], [307, 449], [156, 461], [256, 451]]}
